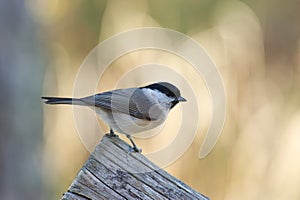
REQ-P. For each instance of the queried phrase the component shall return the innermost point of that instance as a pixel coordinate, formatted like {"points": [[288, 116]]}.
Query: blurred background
{"points": [[255, 45]]}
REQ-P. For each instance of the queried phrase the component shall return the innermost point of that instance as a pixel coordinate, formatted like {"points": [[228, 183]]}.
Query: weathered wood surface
{"points": [[113, 173]]}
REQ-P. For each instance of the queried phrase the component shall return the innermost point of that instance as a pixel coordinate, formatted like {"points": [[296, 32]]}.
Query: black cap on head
{"points": [[166, 88]]}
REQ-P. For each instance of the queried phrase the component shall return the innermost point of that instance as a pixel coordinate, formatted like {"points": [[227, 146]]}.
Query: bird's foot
{"points": [[112, 134], [134, 148]]}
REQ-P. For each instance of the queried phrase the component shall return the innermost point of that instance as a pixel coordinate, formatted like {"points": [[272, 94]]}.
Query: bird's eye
{"points": [[170, 94]]}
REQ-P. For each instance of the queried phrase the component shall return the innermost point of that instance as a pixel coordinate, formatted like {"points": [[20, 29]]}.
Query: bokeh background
{"points": [[255, 45]]}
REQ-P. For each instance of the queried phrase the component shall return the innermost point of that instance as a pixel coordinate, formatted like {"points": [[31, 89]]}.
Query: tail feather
{"points": [[58, 100]]}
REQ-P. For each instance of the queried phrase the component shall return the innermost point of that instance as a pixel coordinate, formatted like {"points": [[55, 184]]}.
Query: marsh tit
{"points": [[131, 110]]}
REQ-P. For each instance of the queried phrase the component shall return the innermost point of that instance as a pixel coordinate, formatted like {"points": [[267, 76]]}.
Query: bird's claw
{"points": [[135, 150], [112, 134]]}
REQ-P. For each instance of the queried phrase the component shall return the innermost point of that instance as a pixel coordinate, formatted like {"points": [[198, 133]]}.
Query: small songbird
{"points": [[131, 110]]}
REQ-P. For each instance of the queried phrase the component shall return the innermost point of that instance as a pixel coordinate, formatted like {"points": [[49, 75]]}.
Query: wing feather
{"points": [[130, 101]]}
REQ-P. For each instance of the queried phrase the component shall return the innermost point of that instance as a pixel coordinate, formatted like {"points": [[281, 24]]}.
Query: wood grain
{"points": [[112, 172]]}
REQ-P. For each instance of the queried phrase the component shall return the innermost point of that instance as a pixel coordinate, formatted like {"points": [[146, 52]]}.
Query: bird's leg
{"points": [[134, 148], [112, 133]]}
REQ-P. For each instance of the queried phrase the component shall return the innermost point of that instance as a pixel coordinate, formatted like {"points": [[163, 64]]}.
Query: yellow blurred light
{"points": [[46, 12]]}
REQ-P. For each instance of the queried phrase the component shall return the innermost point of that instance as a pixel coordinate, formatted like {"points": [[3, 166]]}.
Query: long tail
{"points": [[58, 100]]}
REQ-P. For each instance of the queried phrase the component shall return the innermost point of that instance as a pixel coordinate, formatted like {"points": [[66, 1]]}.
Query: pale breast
{"points": [[126, 124]]}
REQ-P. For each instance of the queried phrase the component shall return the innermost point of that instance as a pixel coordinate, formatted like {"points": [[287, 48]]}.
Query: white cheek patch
{"points": [[157, 96]]}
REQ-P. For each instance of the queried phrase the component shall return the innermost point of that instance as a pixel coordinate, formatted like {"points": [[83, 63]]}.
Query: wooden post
{"points": [[113, 173]]}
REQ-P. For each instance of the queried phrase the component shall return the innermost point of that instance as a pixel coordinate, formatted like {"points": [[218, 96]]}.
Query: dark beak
{"points": [[181, 99]]}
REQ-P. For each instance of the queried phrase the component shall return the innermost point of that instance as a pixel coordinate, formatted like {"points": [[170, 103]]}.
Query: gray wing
{"points": [[129, 101]]}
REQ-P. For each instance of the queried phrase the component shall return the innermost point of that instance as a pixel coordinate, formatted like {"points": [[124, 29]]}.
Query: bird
{"points": [[130, 110]]}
